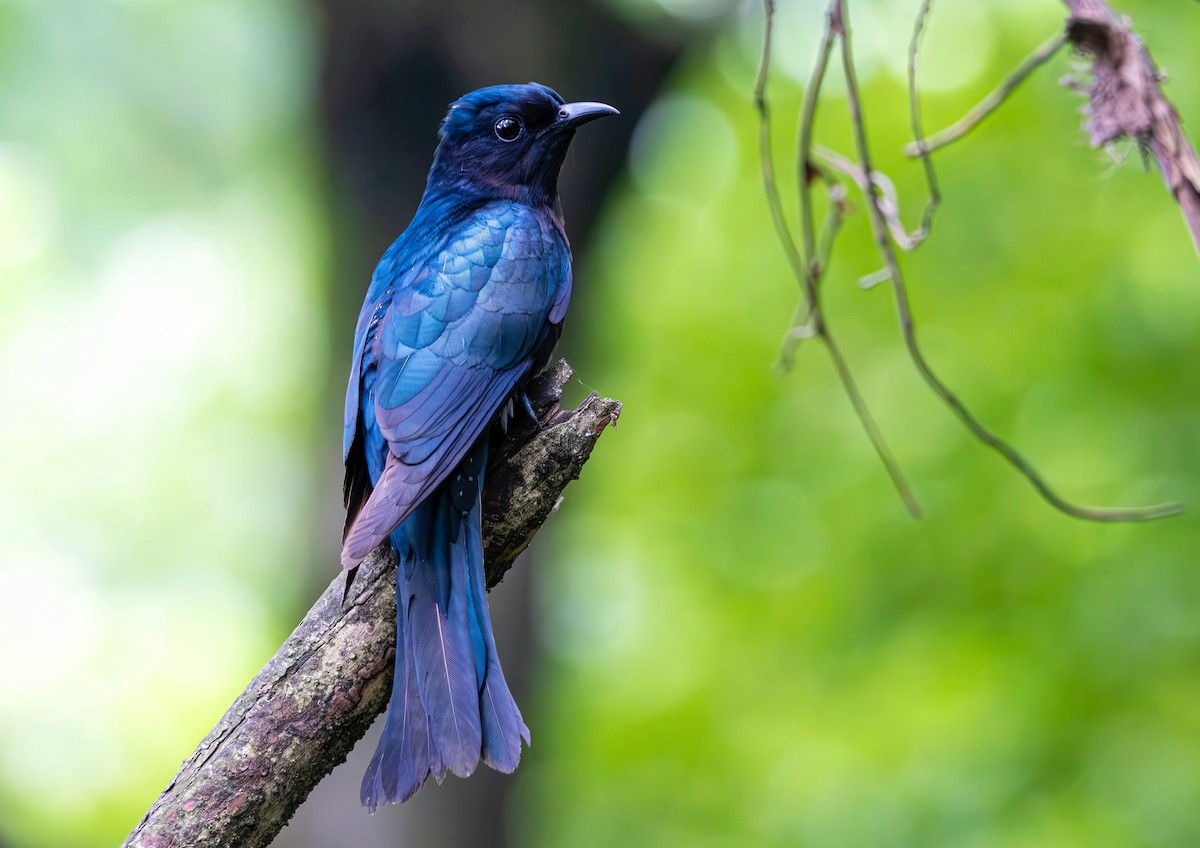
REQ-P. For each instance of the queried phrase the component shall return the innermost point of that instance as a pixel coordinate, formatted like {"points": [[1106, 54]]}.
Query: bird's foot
{"points": [[528, 406]]}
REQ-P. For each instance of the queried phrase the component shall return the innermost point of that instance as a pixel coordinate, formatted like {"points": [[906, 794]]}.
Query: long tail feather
{"points": [[450, 703], [401, 761], [503, 726], [446, 676]]}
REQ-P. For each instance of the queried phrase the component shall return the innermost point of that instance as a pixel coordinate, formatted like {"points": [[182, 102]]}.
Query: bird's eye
{"points": [[508, 128]]}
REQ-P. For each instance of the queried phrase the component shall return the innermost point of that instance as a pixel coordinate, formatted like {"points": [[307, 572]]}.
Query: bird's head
{"points": [[509, 141]]}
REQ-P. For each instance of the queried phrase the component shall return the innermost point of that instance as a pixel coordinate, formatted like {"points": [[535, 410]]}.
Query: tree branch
{"points": [[317, 696]]}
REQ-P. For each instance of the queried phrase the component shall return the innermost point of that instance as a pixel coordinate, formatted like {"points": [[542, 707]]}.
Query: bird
{"points": [[463, 309]]}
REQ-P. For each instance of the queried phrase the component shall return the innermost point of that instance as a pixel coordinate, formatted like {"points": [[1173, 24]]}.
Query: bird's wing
{"points": [[460, 332]]}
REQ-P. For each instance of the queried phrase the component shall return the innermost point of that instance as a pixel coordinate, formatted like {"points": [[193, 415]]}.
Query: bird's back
{"points": [[463, 307]]}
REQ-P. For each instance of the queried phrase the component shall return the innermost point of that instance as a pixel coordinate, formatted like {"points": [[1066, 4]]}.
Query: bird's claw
{"points": [[533, 416]]}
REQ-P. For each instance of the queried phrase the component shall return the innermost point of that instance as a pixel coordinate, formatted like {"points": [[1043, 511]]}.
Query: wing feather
{"points": [[402, 486], [447, 345]]}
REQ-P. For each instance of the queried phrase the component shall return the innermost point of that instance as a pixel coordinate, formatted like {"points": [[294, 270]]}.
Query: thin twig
{"points": [[807, 269], [766, 157], [923, 147], [802, 325], [799, 328], [904, 312], [833, 226], [804, 139], [807, 320], [914, 109], [875, 278], [888, 201]]}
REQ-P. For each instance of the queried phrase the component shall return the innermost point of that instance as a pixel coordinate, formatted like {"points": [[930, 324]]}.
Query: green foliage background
{"points": [[746, 639], [757, 645]]}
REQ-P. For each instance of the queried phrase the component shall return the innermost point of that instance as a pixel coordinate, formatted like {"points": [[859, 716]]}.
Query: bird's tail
{"points": [[450, 705]]}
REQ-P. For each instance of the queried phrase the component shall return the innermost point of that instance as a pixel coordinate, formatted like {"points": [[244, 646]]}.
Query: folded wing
{"points": [[448, 341]]}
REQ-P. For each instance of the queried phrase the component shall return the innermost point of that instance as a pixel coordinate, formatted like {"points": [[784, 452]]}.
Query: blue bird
{"points": [[463, 309]]}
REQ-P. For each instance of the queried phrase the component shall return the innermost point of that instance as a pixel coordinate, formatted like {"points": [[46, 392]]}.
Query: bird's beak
{"points": [[574, 114]]}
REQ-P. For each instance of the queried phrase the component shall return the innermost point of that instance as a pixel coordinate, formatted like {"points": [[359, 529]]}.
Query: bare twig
{"points": [[914, 111], [994, 100], [904, 311], [1126, 100], [806, 320], [807, 269], [766, 156], [804, 140], [833, 226], [875, 278], [317, 696], [889, 203]]}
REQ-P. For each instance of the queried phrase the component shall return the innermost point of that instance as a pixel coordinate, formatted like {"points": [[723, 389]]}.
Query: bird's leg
{"points": [[528, 405]]}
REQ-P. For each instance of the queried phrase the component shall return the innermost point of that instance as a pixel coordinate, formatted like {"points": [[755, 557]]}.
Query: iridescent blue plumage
{"points": [[463, 308]]}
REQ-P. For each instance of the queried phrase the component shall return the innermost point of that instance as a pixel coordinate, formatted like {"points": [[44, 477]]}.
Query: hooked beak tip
{"points": [[574, 114]]}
